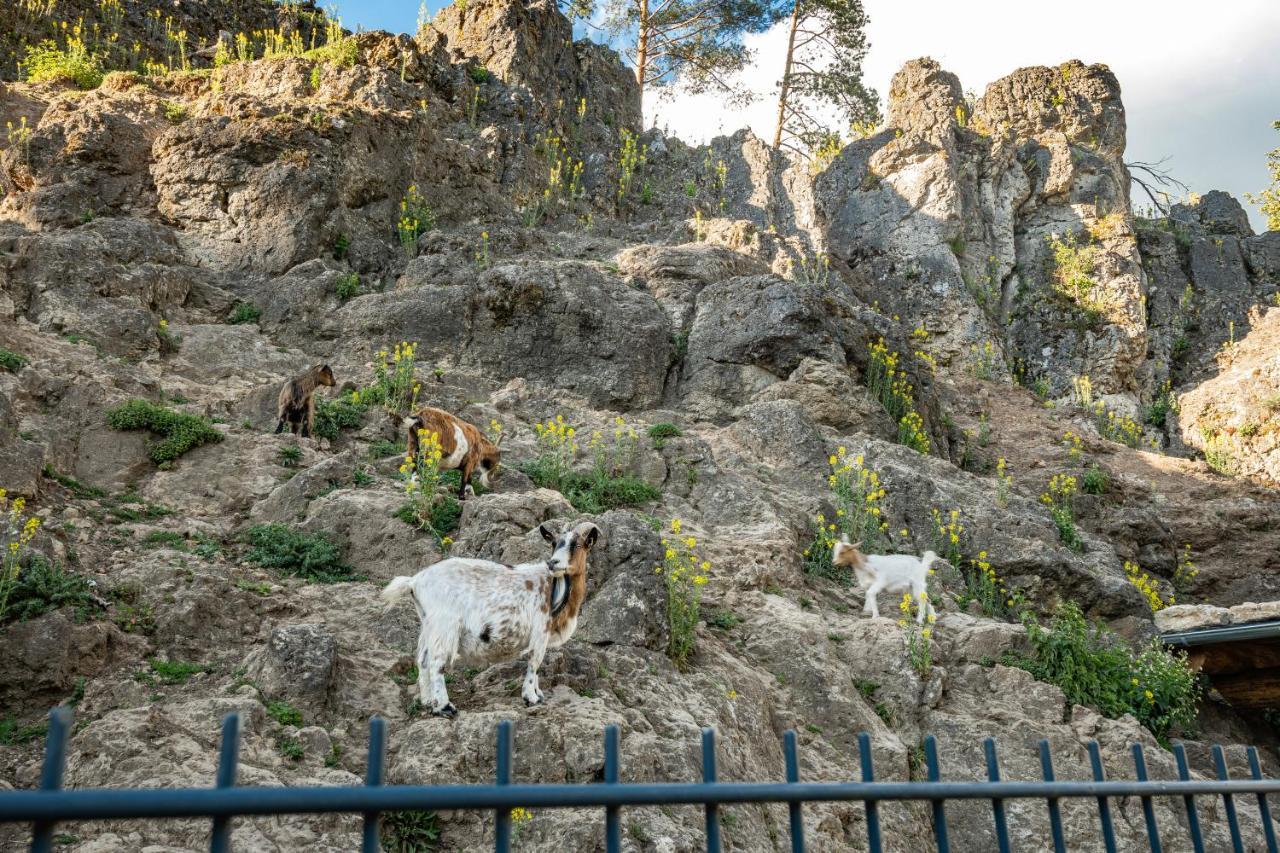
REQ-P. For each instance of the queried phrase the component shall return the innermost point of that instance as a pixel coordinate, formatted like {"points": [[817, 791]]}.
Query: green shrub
{"points": [[332, 416], [174, 671], [347, 286], [289, 455], [1094, 667], [1094, 481], [12, 733], [179, 431], [660, 432], [77, 488], [382, 448], [48, 63], [410, 832], [245, 312], [606, 485], [11, 361], [293, 552], [42, 586], [284, 713], [290, 748], [166, 539]]}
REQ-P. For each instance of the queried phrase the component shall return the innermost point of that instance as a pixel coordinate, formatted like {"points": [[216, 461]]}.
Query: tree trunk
{"points": [[642, 48], [784, 90]]}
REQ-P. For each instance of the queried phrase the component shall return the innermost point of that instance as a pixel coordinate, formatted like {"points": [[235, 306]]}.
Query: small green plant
{"points": [[11, 361], [245, 312], [1074, 445], [1094, 481], [284, 713], [179, 432], [410, 832], [341, 245], [724, 620], [259, 588], [361, 478], [919, 639], [290, 748], [690, 189], [482, 253], [948, 534], [1186, 572], [292, 552], [1073, 269], [858, 497], [1082, 391], [13, 733], [37, 585], [396, 381], [1143, 583], [1157, 414], [660, 432], [1060, 499], [430, 506], [347, 286], [334, 758], [75, 63], [1218, 452], [382, 448], [166, 539], [815, 273], [416, 219], [889, 384], [607, 484], [631, 160], [685, 576], [333, 416], [1093, 667], [986, 361], [175, 112], [289, 456], [983, 585], [17, 530], [1004, 483], [174, 671]]}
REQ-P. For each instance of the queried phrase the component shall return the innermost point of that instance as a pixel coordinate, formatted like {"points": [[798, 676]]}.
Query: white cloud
{"points": [[1199, 82]]}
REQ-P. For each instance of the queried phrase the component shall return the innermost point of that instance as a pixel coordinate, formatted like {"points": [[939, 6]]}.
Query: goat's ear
{"points": [[844, 539], [589, 533], [547, 533]]}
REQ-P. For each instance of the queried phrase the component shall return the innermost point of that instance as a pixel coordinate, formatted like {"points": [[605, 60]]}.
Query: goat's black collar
{"points": [[559, 594]]}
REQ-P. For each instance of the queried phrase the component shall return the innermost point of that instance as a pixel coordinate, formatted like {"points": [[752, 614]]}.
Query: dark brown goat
{"points": [[296, 404]]}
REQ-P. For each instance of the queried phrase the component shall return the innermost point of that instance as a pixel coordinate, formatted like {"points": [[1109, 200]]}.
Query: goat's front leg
{"points": [[280, 426], [532, 693], [873, 592]]}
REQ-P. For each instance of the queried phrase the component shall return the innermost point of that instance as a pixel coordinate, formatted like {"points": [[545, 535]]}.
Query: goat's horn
{"points": [[589, 531]]}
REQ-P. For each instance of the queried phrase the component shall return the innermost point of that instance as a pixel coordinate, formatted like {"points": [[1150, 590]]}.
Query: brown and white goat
{"points": [[479, 613], [296, 404], [891, 572], [462, 445]]}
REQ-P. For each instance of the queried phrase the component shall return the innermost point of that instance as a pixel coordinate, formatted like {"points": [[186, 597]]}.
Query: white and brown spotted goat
{"points": [[478, 612], [463, 445]]}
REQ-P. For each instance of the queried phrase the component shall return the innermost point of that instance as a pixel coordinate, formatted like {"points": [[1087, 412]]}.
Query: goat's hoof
{"points": [[448, 712], [529, 703]]}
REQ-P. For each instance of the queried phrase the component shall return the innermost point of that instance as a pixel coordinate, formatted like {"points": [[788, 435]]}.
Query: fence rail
{"points": [[51, 804]]}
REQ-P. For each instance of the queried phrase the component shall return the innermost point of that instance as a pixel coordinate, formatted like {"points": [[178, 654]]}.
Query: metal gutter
{"points": [[1222, 634]]}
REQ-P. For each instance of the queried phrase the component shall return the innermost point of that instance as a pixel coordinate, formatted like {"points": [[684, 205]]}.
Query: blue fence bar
{"points": [[1255, 770], [934, 771], [228, 757], [1189, 801], [50, 804], [373, 778]]}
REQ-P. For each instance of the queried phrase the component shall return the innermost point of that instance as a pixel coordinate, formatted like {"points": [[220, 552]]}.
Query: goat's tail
{"points": [[928, 559], [396, 590]]}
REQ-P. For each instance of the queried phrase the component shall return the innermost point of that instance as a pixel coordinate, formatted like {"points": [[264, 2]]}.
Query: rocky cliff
{"points": [[484, 190]]}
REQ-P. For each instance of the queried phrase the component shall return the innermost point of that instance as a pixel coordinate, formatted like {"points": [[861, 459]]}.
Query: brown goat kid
{"points": [[296, 404], [462, 445]]}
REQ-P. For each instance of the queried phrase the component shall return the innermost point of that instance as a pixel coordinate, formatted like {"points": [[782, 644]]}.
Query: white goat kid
{"points": [[479, 612], [893, 572]]}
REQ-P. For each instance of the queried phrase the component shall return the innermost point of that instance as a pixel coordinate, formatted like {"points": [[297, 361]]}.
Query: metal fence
{"points": [[50, 804]]}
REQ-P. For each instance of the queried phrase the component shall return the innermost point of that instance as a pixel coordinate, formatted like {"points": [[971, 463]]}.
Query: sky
{"points": [[1200, 82]]}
